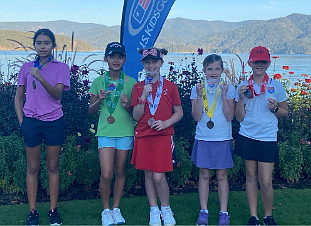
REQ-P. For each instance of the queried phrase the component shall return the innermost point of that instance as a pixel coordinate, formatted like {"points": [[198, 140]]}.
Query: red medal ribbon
{"points": [[263, 86]]}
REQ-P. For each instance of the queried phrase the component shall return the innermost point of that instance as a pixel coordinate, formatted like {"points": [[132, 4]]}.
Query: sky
{"points": [[109, 12]]}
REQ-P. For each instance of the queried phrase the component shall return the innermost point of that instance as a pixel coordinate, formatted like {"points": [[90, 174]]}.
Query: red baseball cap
{"points": [[259, 53]]}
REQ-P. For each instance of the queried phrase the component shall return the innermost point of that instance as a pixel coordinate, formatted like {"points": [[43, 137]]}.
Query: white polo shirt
{"points": [[259, 122], [222, 129]]}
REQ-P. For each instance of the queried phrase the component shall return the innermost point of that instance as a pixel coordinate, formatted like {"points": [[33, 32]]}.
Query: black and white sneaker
{"points": [[253, 221], [54, 217], [33, 218], [269, 220]]}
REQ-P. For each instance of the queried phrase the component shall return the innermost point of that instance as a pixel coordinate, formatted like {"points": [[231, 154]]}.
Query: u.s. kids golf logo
{"points": [[140, 10]]}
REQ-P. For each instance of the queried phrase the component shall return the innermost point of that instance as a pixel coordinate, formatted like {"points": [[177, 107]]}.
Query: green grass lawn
{"points": [[291, 207]]}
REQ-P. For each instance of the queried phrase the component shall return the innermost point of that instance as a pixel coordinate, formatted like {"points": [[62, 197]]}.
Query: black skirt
{"points": [[262, 151]]}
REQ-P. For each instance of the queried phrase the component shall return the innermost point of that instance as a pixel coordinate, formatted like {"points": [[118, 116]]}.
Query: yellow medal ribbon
{"points": [[210, 112]]}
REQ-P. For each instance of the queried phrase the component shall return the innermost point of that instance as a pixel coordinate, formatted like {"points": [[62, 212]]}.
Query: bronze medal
{"points": [[151, 121], [111, 119], [210, 124]]}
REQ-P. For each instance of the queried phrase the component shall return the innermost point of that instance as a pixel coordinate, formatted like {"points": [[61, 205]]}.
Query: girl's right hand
{"points": [[241, 91], [199, 88], [146, 91], [102, 95]]}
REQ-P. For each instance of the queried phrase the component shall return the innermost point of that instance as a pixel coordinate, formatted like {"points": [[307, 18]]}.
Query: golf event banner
{"points": [[142, 21]]}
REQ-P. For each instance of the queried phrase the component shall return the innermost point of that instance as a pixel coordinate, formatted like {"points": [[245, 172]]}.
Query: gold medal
{"points": [[210, 124], [111, 119], [151, 121]]}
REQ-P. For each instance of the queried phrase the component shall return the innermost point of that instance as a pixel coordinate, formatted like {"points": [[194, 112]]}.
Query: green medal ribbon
{"points": [[112, 105]]}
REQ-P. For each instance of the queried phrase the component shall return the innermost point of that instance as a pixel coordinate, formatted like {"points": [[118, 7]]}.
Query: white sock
{"points": [[165, 207], [204, 210], [224, 212], [154, 208]]}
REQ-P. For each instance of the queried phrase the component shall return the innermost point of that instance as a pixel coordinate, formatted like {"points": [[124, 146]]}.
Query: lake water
{"points": [[298, 63]]}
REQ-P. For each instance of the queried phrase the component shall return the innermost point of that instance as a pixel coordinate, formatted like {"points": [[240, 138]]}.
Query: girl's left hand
{"points": [[224, 89], [124, 100], [159, 125], [272, 104], [35, 72]]}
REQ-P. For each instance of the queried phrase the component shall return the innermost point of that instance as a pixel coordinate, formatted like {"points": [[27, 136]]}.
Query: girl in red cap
{"points": [[154, 100], [260, 101]]}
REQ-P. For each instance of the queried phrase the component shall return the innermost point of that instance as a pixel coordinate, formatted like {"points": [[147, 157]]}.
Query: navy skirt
{"points": [[262, 151]]}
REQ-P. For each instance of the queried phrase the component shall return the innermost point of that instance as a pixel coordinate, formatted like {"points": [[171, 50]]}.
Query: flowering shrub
{"points": [[79, 163]]}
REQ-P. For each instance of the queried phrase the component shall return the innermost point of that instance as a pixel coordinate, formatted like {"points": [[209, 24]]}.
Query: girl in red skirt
{"points": [[157, 107]]}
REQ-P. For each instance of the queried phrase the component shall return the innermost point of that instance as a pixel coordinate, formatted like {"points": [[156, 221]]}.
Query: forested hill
{"points": [[291, 34]]}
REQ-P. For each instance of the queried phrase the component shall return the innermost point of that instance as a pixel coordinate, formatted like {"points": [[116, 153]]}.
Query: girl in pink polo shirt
{"points": [[41, 118]]}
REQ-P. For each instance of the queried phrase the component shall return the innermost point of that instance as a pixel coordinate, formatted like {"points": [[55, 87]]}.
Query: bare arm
{"points": [[283, 108], [228, 105], [138, 110], [197, 103], [54, 91], [96, 101], [240, 106], [177, 115], [18, 102]]}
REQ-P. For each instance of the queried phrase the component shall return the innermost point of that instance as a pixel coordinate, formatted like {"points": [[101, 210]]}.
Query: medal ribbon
{"points": [[263, 86], [37, 62], [112, 105], [210, 112], [153, 105]]}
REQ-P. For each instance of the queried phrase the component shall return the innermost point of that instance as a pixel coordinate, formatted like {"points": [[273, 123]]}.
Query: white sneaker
{"points": [[117, 216], [107, 218], [167, 216], [155, 217]]}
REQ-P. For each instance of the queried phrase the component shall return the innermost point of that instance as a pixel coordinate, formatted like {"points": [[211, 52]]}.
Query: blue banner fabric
{"points": [[142, 21]]}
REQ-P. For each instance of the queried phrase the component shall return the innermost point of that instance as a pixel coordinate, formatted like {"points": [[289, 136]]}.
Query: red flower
{"points": [[277, 76], [200, 51], [69, 173], [274, 57], [303, 92], [308, 80], [286, 67], [304, 75], [291, 72], [293, 89], [171, 63], [302, 141]]}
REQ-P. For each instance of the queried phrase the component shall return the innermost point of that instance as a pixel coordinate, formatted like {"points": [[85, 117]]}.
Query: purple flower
{"points": [[85, 72], [200, 51], [86, 82], [87, 140], [186, 73], [74, 69]]}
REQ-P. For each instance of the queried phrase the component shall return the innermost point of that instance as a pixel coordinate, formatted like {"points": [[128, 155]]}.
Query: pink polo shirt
{"points": [[39, 104]]}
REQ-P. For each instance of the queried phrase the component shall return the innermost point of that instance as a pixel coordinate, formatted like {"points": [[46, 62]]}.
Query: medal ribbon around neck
{"points": [[263, 86], [112, 105], [210, 112], [153, 105], [37, 62]]}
